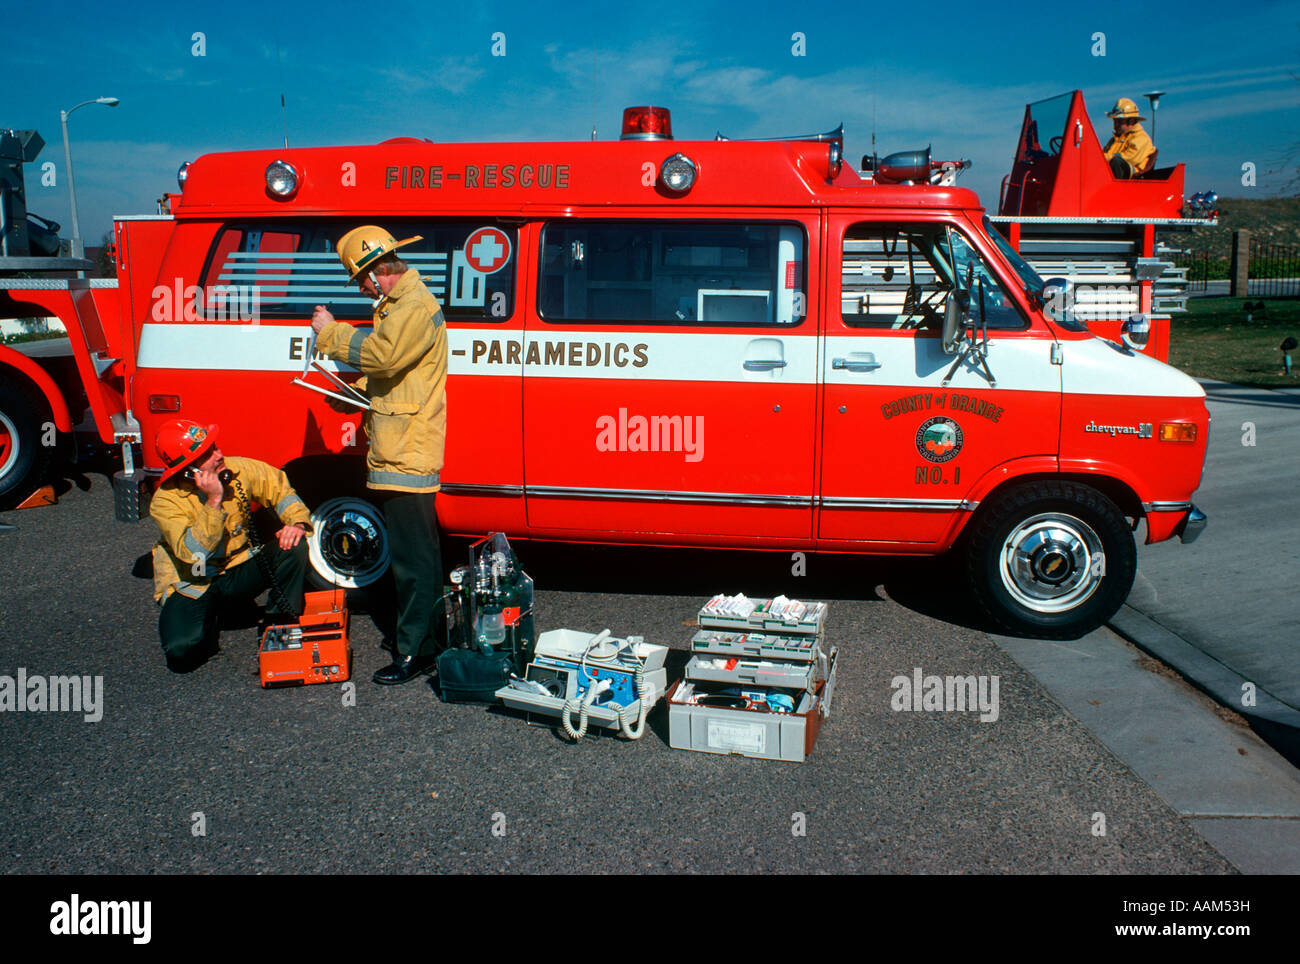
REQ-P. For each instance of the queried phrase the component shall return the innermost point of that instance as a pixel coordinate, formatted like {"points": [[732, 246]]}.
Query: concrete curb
{"points": [[1276, 722]]}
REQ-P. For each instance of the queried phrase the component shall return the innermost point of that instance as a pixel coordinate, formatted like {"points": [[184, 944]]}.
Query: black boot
{"points": [[403, 670]]}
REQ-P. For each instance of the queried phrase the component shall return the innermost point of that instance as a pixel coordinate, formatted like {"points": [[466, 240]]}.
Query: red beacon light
{"points": [[647, 124]]}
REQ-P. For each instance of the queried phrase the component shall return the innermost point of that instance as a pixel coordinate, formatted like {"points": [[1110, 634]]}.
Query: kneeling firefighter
{"points": [[404, 364], [201, 561]]}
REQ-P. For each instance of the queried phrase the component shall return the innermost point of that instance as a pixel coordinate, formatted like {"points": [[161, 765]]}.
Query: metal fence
{"points": [[1274, 270], [1200, 267]]}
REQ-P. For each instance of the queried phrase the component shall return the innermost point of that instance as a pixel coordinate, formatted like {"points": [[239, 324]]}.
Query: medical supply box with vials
{"points": [[759, 681], [315, 649]]}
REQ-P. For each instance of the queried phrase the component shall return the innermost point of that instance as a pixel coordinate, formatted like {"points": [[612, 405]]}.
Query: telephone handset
{"points": [[224, 476]]}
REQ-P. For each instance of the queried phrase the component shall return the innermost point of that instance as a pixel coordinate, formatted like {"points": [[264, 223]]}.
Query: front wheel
{"points": [[1053, 560]]}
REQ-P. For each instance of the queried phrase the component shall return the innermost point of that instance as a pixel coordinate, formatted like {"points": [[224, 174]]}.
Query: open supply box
{"points": [[754, 692]]}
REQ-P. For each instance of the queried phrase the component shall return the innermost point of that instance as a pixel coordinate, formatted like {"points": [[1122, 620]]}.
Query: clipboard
{"points": [[351, 396]]}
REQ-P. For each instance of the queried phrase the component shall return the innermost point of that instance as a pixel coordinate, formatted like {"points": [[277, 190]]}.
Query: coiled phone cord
{"points": [[255, 542]]}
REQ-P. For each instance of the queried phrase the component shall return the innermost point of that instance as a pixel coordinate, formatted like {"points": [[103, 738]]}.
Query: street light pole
{"points": [[1154, 99], [78, 249]]}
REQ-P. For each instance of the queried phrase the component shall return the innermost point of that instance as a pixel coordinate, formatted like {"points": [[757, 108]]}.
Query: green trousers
{"points": [[188, 627], [416, 560]]}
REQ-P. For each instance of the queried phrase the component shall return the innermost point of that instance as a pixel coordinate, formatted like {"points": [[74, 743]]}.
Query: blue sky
{"points": [[359, 73]]}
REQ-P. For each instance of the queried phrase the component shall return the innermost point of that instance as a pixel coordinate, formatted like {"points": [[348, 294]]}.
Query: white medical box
{"points": [[758, 733]]}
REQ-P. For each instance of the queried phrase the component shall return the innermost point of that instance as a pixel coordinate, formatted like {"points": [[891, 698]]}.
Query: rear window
{"points": [[701, 273], [285, 269]]}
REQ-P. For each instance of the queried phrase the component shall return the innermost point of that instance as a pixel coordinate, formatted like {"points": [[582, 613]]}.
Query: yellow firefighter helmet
{"points": [[1125, 109], [361, 247]]}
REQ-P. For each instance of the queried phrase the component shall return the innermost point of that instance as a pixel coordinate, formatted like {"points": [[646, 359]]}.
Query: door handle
{"points": [[764, 364], [858, 361]]}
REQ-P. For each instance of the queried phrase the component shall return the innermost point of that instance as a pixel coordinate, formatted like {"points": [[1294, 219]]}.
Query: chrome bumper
{"points": [[1192, 526]]}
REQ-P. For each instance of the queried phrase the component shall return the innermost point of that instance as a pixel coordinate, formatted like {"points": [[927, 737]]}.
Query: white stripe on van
{"points": [[1092, 366]]}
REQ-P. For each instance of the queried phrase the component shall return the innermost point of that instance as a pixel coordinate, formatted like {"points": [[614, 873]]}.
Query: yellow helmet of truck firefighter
{"points": [[361, 247], [1125, 109]]}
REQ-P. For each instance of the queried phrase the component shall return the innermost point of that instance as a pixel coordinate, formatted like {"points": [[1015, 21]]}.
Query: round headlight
{"points": [[677, 173], [181, 173], [281, 179]]}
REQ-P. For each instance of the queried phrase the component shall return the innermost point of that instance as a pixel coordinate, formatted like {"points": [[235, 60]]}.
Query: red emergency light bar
{"points": [[647, 124]]}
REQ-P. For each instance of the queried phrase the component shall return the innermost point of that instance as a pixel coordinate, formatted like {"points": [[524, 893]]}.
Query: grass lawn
{"points": [[26, 336], [1214, 340]]}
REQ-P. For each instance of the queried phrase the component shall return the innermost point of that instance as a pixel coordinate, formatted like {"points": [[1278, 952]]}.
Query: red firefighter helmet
{"points": [[181, 443]]}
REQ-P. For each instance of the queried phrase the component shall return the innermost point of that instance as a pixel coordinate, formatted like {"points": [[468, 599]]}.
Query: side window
{"points": [[673, 272], [1000, 311], [891, 276], [282, 270], [899, 276]]}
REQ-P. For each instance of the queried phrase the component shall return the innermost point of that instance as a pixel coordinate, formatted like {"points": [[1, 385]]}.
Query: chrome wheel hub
{"points": [[1052, 562], [349, 546]]}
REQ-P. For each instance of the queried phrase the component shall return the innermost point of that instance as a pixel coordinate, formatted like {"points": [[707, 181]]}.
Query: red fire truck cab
{"points": [[714, 343]]}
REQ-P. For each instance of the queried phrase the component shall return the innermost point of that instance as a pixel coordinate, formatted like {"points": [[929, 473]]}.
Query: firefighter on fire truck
{"points": [[1130, 151], [203, 510], [404, 364]]}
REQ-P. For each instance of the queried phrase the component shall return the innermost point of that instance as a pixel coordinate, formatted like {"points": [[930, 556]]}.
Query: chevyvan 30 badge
{"points": [[939, 439]]}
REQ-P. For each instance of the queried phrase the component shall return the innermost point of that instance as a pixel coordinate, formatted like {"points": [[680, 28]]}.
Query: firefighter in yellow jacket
{"points": [[404, 363], [204, 556], [1130, 151]]}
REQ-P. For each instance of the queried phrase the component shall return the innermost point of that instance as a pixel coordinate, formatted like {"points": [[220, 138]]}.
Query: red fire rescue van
{"points": [[713, 343]]}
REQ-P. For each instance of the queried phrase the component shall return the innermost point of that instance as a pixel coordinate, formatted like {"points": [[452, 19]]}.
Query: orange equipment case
{"points": [[313, 650]]}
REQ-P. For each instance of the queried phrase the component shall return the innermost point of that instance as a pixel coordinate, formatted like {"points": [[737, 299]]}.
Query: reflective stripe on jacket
{"points": [[199, 543], [404, 361]]}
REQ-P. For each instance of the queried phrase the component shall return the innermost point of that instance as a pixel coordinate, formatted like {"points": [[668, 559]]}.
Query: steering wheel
{"points": [[1056, 143]]}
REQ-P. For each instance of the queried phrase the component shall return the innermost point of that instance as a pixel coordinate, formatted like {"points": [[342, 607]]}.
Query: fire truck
{"points": [[726, 344], [1063, 209]]}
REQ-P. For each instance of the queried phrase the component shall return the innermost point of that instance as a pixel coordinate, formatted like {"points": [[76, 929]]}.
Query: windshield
{"points": [[1047, 124], [1028, 276]]}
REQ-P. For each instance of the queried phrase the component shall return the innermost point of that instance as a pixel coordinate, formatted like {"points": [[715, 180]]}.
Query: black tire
{"points": [[23, 459], [1052, 560]]}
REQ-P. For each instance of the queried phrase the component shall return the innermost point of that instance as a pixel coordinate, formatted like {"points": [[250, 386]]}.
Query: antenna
{"points": [[874, 95], [279, 59]]}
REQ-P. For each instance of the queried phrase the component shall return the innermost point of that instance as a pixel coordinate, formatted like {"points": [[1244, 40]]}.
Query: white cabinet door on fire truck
{"points": [[902, 450], [670, 379]]}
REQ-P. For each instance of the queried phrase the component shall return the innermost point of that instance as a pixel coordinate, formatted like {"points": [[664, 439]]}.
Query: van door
{"points": [[906, 436], [670, 379]]}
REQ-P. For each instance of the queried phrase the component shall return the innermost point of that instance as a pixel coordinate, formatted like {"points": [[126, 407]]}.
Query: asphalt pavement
{"points": [[207, 772]]}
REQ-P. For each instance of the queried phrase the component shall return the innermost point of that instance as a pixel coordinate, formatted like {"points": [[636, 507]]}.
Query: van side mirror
{"points": [[1136, 331], [1058, 299]]}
